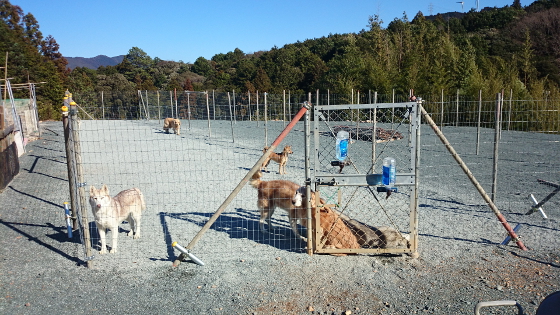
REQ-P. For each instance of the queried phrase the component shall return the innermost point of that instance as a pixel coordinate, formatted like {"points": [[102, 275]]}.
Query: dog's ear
{"points": [[105, 189], [91, 190]]}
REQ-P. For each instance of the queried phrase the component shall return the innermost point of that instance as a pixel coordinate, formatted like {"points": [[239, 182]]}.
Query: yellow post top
{"points": [[66, 202], [73, 103], [173, 244], [64, 108], [65, 98]]}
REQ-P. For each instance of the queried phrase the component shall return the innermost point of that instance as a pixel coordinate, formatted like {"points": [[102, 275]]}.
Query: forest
{"points": [[512, 48]]}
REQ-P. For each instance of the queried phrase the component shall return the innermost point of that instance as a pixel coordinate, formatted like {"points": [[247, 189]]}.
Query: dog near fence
{"points": [[185, 178]]}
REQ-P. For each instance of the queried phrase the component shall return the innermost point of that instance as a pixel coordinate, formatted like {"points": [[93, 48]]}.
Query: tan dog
{"points": [[280, 158], [110, 211], [336, 234], [366, 236], [172, 123], [277, 193]]}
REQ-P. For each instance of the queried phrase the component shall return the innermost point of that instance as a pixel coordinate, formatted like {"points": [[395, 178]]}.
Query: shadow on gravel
{"points": [[548, 263], [243, 224], [482, 241], [13, 226], [34, 197]]}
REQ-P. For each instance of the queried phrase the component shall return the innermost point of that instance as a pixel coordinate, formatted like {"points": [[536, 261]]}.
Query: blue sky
{"points": [[183, 30]]}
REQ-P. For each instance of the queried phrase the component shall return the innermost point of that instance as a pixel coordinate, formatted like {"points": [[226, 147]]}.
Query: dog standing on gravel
{"points": [[280, 158], [110, 211], [277, 193], [172, 123]]}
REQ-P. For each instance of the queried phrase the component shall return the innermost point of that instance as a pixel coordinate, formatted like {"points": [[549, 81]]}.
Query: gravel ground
{"points": [[461, 260]]}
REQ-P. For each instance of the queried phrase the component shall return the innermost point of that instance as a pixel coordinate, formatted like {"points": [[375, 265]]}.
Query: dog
{"points": [[172, 123], [110, 211], [367, 236], [277, 193], [280, 158], [335, 232]]}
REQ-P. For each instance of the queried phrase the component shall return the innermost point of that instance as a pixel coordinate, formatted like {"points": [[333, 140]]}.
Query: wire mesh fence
{"points": [[186, 177], [376, 131]]}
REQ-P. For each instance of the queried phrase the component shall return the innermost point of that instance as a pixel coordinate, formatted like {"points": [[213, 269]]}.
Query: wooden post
{"points": [[284, 108], [478, 121], [231, 118], [265, 120], [80, 181], [441, 117], [69, 163], [208, 115], [497, 131]]}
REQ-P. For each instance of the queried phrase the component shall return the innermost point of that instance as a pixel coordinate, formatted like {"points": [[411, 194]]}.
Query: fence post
{"points": [[265, 120], [208, 114], [234, 108], [284, 108], [307, 143], [230, 117], [80, 180], [441, 117], [496, 142], [69, 163], [158, 108], [509, 111], [189, 108], [478, 121]]}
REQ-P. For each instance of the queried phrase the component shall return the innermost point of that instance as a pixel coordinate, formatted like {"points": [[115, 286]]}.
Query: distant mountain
{"points": [[93, 63]]}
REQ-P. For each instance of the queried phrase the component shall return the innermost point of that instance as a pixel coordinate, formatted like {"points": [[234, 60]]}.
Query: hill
{"points": [[93, 63]]}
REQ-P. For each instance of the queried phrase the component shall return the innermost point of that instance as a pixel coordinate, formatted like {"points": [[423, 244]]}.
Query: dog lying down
{"points": [[365, 236]]}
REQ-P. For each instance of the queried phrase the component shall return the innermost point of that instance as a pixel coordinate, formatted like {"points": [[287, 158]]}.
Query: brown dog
{"points": [[366, 236], [280, 158], [336, 234], [172, 123], [277, 193]]}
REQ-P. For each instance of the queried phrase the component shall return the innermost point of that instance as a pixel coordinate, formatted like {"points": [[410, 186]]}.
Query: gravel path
{"points": [[247, 272]]}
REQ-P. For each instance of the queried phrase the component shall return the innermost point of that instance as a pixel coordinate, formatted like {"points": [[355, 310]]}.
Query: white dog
{"points": [[110, 211]]}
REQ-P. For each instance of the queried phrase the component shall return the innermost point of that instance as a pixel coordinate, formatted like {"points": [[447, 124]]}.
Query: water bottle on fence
{"points": [[389, 172], [342, 145]]}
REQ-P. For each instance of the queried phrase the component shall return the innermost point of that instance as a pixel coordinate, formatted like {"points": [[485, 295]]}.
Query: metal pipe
{"points": [[68, 217], [186, 252], [308, 183]]}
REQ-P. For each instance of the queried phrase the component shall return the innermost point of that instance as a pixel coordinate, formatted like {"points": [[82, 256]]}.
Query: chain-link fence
{"points": [[186, 177], [387, 215]]}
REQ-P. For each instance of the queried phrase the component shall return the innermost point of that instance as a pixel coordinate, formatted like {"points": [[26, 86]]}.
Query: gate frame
{"points": [[369, 180]]}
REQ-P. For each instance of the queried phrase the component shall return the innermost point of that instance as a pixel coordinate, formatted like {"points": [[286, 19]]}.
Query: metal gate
{"points": [[383, 220]]}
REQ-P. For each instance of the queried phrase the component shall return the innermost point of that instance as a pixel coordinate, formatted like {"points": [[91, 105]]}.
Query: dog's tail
{"points": [[256, 179], [142, 200]]}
